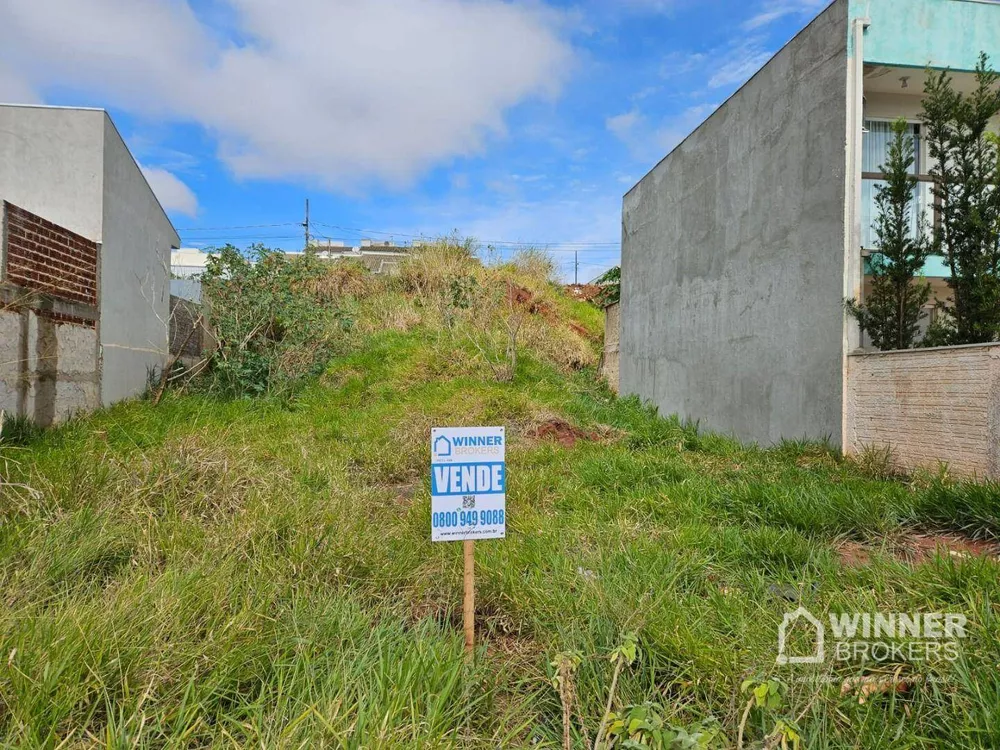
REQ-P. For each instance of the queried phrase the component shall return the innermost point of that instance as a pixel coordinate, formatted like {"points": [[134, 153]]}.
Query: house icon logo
{"points": [[787, 622], [442, 446]]}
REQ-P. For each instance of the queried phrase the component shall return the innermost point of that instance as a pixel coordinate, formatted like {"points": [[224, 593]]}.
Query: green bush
{"points": [[269, 318]]}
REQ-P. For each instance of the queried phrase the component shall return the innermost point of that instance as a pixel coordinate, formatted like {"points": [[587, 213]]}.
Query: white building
{"points": [[85, 264]]}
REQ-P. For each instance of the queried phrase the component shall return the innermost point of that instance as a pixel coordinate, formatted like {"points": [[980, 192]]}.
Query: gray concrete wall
{"points": [[929, 407], [48, 368], [135, 274], [610, 359], [71, 167], [733, 255], [51, 163]]}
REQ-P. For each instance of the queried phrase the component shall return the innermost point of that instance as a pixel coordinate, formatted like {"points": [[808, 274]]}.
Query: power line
{"points": [[307, 225], [615, 243]]}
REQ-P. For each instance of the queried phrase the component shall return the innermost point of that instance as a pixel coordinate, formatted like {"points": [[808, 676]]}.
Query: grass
{"points": [[209, 573]]}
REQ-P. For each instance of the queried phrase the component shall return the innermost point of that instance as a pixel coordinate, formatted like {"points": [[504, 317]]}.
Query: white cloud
{"points": [[649, 140], [173, 194], [773, 10], [650, 6], [740, 64], [675, 129], [622, 125], [678, 63], [334, 92], [14, 89]]}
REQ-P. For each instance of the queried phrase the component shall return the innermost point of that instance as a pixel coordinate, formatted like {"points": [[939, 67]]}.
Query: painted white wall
{"points": [[135, 274], [71, 166], [51, 163]]}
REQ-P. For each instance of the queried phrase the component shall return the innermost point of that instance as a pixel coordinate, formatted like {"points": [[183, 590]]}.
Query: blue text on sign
{"points": [[468, 479], [477, 441]]}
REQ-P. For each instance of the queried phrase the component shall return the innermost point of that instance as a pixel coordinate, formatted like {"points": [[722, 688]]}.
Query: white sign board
{"points": [[468, 483]]}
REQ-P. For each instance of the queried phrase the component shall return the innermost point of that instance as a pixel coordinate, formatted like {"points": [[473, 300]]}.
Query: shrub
{"points": [[272, 318]]}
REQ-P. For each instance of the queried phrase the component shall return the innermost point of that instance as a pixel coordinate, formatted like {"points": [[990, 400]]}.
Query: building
{"points": [[85, 265], [378, 256], [740, 247], [188, 262]]}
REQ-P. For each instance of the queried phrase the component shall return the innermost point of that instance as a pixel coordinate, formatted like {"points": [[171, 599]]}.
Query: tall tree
{"points": [[966, 168], [891, 314]]}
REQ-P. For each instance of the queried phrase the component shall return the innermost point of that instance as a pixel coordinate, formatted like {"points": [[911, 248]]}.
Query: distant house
{"points": [[740, 247], [382, 257], [84, 265], [188, 262]]}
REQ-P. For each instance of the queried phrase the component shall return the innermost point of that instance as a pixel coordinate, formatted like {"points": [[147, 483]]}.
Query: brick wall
{"points": [[47, 258], [930, 406], [185, 342]]}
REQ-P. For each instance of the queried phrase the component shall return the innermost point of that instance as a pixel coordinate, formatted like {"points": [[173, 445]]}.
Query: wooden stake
{"points": [[469, 603]]}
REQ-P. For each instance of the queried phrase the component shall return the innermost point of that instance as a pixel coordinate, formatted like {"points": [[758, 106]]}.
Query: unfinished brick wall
{"points": [[45, 257], [186, 342], [49, 363], [930, 406]]}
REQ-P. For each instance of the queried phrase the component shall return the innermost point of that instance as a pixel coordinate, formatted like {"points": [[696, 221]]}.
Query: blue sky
{"points": [[514, 122]]}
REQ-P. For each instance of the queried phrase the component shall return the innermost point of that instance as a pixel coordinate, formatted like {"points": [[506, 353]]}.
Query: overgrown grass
{"points": [[259, 573]]}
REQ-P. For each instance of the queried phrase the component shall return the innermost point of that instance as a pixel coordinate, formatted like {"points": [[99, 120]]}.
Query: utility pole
{"points": [[576, 267], [305, 224]]}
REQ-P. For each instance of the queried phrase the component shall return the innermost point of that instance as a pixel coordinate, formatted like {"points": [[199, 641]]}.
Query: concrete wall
{"points": [[610, 360], [918, 33], [71, 167], [733, 254], [49, 364], [930, 406], [135, 263], [48, 367], [52, 164]]}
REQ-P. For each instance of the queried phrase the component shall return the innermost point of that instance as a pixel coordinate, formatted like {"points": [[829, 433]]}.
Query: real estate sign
{"points": [[468, 483]]}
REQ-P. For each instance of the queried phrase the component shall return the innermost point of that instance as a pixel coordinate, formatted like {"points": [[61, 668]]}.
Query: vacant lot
{"points": [[259, 572]]}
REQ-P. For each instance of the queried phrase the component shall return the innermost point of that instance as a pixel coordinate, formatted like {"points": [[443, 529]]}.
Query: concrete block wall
{"points": [[48, 367], [49, 322], [930, 406]]}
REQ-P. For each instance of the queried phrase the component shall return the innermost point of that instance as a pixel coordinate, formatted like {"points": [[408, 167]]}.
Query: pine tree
{"points": [[890, 315], [967, 172]]}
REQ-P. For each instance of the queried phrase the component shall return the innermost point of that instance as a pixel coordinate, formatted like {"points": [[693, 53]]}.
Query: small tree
{"points": [[892, 312], [967, 172]]}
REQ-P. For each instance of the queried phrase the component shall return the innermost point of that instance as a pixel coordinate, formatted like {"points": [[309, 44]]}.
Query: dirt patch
{"points": [[580, 330], [404, 492], [918, 548], [524, 298], [585, 292], [853, 554], [562, 432], [518, 295]]}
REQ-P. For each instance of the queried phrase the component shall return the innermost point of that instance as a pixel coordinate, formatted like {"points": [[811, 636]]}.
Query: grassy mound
{"points": [[217, 572]]}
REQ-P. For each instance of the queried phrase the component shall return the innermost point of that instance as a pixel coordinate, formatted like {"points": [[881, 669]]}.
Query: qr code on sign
{"points": [[468, 501]]}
